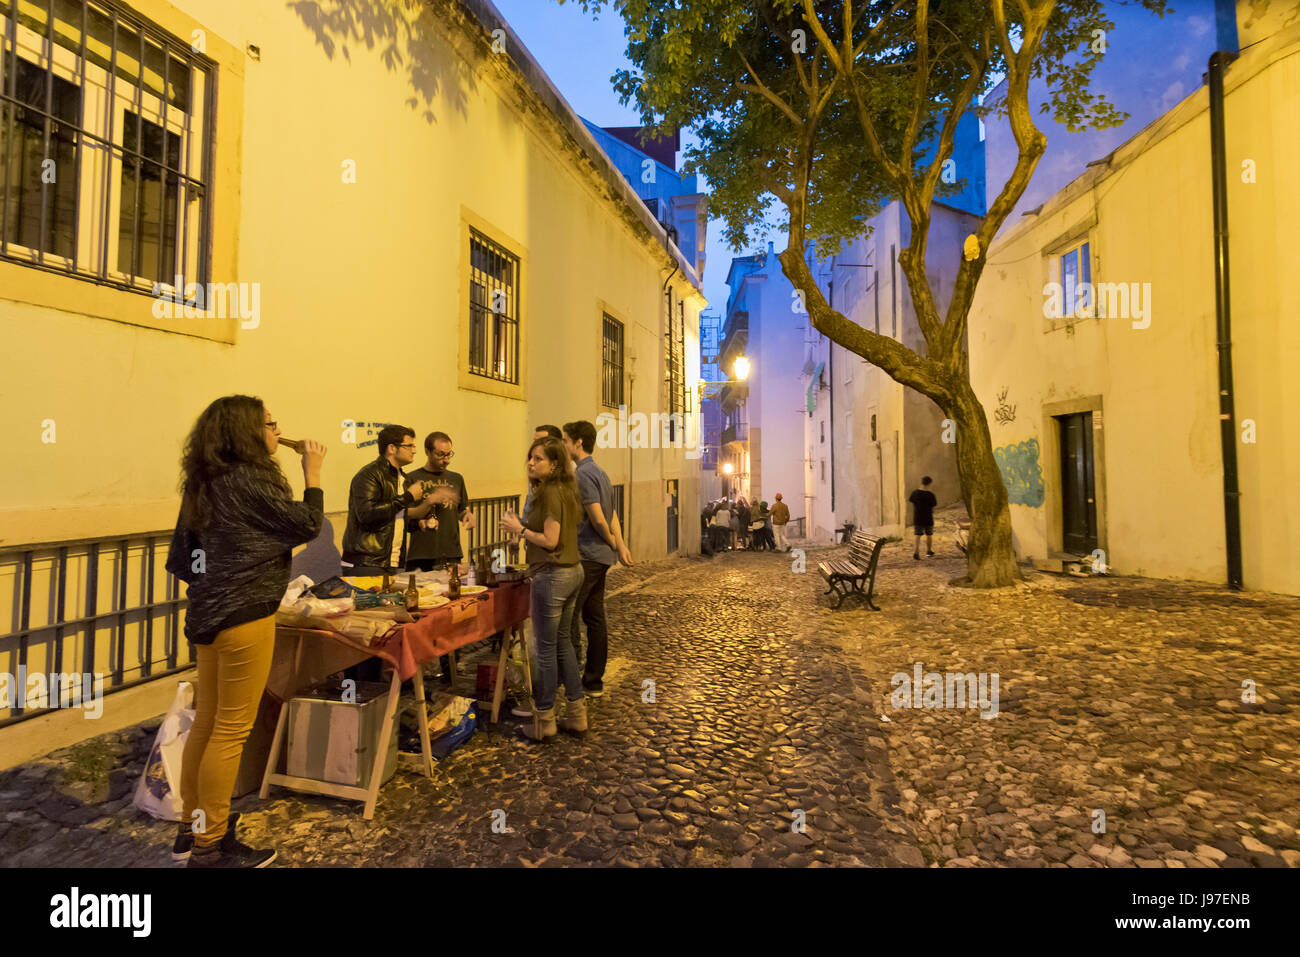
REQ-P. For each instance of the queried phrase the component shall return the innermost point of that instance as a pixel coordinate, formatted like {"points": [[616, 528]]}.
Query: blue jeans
{"points": [[554, 601]]}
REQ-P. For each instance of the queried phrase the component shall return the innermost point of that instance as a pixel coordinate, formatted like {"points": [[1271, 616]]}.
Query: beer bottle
{"points": [[412, 596], [453, 581]]}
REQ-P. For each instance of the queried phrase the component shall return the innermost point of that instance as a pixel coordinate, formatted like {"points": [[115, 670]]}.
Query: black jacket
{"points": [[238, 568], [374, 503]]}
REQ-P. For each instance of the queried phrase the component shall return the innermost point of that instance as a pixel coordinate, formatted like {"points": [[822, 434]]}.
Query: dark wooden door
{"points": [[1078, 494]]}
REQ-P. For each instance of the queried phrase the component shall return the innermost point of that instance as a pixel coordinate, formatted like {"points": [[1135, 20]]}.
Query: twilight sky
{"points": [[580, 55]]}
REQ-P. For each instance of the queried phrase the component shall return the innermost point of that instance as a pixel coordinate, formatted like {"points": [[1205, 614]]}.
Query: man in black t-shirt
{"points": [[923, 503], [438, 542]]}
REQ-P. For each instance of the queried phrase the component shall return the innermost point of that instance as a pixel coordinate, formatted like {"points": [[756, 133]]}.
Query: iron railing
{"points": [[48, 636], [486, 535]]}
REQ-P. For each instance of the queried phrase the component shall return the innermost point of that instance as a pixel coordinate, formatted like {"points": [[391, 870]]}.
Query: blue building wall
{"points": [[666, 186]]}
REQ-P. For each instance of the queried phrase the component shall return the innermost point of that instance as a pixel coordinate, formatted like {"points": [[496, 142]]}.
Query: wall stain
{"points": [[1021, 473]]}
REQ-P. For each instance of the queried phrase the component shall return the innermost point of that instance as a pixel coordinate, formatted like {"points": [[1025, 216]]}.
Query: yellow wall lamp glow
{"points": [[727, 468], [740, 368]]}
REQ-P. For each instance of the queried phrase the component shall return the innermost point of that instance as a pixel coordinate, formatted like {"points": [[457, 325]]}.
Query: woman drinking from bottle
{"points": [[237, 528]]}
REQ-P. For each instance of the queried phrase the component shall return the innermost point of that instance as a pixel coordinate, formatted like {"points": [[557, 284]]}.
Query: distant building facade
{"points": [[1093, 338]]}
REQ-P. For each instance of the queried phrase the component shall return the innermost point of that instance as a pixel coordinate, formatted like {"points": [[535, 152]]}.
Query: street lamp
{"points": [[727, 468], [741, 368]]}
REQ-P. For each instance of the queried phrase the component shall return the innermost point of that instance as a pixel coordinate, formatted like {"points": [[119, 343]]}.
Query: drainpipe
{"points": [[1223, 315]]}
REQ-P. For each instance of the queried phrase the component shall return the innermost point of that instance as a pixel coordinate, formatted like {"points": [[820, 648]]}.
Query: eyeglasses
{"points": [[443, 455], [271, 425], [407, 445]]}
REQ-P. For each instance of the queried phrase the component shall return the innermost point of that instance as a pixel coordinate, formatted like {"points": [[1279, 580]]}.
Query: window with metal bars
{"points": [[493, 310], [675, 364], [105, 145], [618, 508], [611, 382]]}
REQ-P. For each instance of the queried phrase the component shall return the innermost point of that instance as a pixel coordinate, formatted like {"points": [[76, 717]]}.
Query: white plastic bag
{"points": [[159, 791]]}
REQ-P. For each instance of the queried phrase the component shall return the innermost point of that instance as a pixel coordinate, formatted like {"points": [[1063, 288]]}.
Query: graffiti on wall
{"points": [[1021, 473], [1005, 412]]}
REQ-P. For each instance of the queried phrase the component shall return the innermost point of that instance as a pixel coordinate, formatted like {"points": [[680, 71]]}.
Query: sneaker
{"points": [[593, 689], [231, 853], [929, 554], [523, 710], [184, 843], [916, 556]]}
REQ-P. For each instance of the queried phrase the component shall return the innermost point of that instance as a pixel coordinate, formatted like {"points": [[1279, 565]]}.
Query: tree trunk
{"points": [[990, 554]]}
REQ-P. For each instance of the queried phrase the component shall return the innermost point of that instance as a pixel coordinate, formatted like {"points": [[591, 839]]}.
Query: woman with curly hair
{"points": [[550, 531], [234, 538]]}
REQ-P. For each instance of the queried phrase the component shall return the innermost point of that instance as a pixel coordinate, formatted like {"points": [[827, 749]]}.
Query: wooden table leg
{"points": [[273, 759], [423, 716], [506, 641], [377, 773]]}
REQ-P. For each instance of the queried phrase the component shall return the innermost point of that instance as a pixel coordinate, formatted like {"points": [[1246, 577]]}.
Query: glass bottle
{"points": [[412, 596]]}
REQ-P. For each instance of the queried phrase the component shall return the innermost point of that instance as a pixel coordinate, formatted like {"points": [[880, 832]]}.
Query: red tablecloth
{"points": [[443, 629], [439, 631]]}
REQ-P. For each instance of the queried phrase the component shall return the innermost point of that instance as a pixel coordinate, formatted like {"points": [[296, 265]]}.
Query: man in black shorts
{"points": [[923, 503]]}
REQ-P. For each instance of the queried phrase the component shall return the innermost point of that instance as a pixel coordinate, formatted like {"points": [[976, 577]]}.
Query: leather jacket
{"points": [[374, 502]]}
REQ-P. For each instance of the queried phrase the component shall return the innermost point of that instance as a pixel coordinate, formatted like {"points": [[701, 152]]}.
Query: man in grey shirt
{"points": [[600, 543]]}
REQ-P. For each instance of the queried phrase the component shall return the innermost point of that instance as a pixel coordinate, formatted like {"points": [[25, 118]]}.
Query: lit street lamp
{"points": [[741, 368]]}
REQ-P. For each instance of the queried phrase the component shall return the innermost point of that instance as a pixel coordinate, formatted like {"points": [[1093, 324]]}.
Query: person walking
{"points": [[600, 543], [234, 537], [923, 503], [780, 518], [550, 534]]}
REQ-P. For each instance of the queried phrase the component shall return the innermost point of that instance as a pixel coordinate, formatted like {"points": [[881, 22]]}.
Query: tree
{"points": [[828, 109]]}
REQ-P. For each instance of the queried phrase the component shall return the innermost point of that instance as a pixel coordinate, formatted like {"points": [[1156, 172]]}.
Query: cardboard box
{"points": [[330, 739]]}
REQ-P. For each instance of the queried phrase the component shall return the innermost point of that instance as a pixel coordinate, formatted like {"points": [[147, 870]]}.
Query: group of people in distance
{"points": [[732, 523], [239, 523]]}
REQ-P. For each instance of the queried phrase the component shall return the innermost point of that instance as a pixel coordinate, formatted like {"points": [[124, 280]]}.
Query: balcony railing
{"points": [[735, 433]]}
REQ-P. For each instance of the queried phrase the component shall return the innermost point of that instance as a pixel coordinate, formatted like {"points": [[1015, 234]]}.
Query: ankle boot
{"points": [[574, 718], [545, 724]]}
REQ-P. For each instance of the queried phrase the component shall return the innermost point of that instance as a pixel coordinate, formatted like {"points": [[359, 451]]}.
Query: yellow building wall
{"points": [[362, 288], [364, 296], [1161, 494]]}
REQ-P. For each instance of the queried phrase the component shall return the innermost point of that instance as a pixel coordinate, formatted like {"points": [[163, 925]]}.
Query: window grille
{"points": [[493, 310], [611, 389], [105, 146]]}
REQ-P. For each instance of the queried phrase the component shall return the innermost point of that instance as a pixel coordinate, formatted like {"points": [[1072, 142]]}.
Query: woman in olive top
{"points": [[234, 538], [550, 530]]}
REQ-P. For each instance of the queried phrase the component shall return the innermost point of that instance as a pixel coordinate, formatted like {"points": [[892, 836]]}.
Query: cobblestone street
{"points": [[1116, 696]]}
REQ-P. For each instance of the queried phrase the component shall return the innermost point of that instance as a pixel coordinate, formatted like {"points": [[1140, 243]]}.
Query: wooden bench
{"points": [[847, 576]]}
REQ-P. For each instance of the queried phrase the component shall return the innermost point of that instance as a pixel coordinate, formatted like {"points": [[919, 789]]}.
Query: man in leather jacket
{"points": [[375, 500]]}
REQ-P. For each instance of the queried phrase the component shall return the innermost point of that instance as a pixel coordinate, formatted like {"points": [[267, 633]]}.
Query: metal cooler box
{"points": [[336, 741]]}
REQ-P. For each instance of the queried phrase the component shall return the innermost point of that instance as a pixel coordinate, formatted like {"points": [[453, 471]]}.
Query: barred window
{"points": [[493, 310], [675, 363], [105, 145], [611, 387], [618, 508]]}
